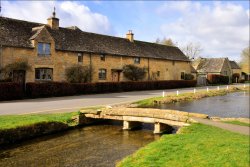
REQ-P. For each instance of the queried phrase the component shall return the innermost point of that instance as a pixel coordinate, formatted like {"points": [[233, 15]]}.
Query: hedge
{"points": [[11, 91], [53, 89], [217, 79], [49, 89]]}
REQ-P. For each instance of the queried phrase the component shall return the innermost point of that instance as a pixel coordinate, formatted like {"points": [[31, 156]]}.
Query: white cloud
{"points": [[221, 29], [70, 13]]}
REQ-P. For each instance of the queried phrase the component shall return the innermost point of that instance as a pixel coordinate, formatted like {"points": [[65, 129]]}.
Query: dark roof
{"points": [[209, 64], [18, 33], [234, 65]]}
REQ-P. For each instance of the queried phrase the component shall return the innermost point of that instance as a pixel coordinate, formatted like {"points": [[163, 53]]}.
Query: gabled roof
{"points": [[234, 65], [209, 64], [18, 33]]}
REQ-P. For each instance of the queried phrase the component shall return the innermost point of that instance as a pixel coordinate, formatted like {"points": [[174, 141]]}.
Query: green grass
{"points": [[238, 123], [173, 98], [13, 121], [197, 146]]}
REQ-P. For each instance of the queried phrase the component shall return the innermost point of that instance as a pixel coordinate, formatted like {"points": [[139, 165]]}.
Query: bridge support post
{"points": [[128, 125], [160, 128]]}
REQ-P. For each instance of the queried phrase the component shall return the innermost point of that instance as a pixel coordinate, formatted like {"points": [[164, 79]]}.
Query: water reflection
{"points": [[230, 105], [101, 145]]}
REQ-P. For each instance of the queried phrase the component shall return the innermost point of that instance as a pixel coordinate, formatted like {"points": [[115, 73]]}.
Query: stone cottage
{"points": [[50, 49], [205, 66]]}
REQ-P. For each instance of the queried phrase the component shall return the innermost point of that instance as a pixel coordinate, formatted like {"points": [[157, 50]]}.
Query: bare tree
{"points": [[192, 50], [165, 41], [244, 62]]}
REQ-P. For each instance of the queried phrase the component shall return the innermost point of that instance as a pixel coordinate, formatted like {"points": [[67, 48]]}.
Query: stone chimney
{"points": [[53, 22], [130, 36]]}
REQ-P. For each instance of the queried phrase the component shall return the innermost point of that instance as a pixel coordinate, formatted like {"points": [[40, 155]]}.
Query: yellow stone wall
{"points": [[60, 60]]}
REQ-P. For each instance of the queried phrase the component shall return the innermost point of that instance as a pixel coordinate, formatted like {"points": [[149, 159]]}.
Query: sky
{"points": [[221, 28]]}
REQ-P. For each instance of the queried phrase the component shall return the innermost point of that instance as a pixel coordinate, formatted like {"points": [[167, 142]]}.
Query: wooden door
{"points": [[115, 76], [19, 77]]}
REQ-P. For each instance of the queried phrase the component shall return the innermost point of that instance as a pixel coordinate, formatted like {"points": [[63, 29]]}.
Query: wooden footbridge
{"points": [[133, 117]]}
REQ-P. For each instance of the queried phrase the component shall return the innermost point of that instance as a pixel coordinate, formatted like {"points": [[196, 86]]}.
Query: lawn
{"points": [[198, 146], [13, 121]]}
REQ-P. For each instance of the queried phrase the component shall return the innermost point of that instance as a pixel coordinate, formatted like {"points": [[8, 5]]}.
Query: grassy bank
{"points": [[197, 145], [173, 98], [14, 121], [237, 123], [15, 128]]}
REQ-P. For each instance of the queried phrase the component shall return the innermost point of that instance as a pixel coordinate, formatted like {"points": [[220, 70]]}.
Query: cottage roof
{"points": [[18, 33], [234, 65], [209, 64]]}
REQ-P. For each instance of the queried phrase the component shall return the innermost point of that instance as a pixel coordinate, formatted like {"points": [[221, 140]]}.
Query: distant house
{"points": [[50, 50], [205, 66], [236, 71]]}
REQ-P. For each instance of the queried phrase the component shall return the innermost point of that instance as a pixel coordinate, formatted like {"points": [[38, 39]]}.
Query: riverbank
{"points": [[195, 145], [16, 128], [181, 97]]}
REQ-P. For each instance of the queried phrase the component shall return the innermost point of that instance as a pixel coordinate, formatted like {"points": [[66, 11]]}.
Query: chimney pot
{"points": [[53, 22], [130, 36]]}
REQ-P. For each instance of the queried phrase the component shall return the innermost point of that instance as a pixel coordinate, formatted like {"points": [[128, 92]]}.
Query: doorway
{"points": [[19, 77]]}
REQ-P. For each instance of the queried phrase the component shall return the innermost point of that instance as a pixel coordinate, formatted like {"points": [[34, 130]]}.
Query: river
{"points": [[231, 105], [92, 146]]}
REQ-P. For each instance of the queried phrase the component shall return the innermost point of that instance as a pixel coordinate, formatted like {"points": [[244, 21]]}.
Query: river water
{"points": [[231, 105], [93, 146]]}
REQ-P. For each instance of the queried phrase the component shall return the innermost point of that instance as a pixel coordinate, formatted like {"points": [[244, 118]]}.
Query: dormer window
{"points": [[137, 60], [43, 49]]}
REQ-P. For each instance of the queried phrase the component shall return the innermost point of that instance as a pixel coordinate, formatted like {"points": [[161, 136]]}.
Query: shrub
{"points": [[217, 79], [189, 77], [11, 91], [134, 73], [78, 74]]}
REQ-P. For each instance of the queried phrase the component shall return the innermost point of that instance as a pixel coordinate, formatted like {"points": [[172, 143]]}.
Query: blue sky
{"points": [[220, 27]]}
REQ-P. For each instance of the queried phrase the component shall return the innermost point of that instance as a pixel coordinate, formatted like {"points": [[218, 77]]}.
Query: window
{"points": [[102, 74], [137, 60], [102, 57], [80, 57], [43, 49], [44, 74], [182, 75], [158, 73]]}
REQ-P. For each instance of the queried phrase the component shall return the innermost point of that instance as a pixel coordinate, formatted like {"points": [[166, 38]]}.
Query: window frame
{"points": [[103, 57], [102, 74], [46, 73], [158, 73], [137, 60], [183, 75], [80, 57], [46, 51]]}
